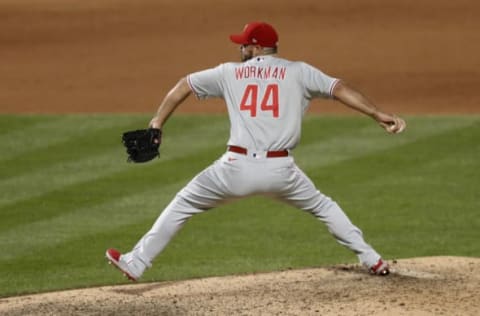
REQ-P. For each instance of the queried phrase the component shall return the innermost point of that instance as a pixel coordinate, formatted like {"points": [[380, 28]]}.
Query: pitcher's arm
{"points": [[172, 100], [357, 101]]}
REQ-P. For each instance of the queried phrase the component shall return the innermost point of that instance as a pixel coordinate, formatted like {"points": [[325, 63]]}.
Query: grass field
{"points": [[67, 194]]}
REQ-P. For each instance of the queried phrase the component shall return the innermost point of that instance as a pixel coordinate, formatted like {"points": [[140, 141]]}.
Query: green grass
{"points": [[67, 194]]}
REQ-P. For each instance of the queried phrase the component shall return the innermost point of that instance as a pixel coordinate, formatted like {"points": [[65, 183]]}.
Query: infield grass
{"points": [[67, 194]]}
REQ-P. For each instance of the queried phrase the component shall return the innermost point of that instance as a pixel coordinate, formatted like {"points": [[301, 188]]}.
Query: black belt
{"points": [[270, 154]]}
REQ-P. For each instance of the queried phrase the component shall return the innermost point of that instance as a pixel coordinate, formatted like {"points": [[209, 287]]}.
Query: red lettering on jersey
{"points": [[249, 100], [260, 73], [247, 72], [275, 73], [267, 73], [239, 73], [269, 100]]}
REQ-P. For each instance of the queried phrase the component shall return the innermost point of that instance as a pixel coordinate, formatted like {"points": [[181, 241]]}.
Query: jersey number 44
{"points": [[268, 100]]}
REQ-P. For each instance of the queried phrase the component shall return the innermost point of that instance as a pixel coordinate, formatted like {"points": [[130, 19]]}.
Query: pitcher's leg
{"points": [[202, 193], [163, 230], [340, 226], [303, 194]]}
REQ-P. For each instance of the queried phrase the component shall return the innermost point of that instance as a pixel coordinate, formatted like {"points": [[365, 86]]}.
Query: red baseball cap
{"points": [[257, 33]]}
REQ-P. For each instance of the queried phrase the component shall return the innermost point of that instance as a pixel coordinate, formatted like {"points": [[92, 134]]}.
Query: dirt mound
{"points": [[420, 286]]}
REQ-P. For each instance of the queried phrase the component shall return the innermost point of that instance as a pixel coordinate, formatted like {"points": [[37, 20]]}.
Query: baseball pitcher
{"points": [[266, 97]]}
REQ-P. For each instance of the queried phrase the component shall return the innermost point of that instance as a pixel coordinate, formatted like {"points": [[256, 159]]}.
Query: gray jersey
{"points": [[266, 98]]}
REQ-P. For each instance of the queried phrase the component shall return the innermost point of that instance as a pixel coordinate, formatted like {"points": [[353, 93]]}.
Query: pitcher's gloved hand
{"points": [[142, 144]]}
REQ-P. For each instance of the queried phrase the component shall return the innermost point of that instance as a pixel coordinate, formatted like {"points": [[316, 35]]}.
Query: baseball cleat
{"points": [[380, 268], [114, 258]]}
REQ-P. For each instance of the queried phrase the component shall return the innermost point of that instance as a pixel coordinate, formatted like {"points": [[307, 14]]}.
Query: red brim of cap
{"points": [[238, 39]]}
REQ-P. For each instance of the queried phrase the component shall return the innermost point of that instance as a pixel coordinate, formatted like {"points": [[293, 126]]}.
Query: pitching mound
{"points": [[421, 286]]}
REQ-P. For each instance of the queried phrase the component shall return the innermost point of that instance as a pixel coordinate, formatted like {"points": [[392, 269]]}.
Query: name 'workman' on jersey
{"points": [[255, 72]]}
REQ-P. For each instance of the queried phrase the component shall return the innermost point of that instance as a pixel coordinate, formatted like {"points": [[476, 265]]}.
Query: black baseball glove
{"points": [[142, 144]]}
